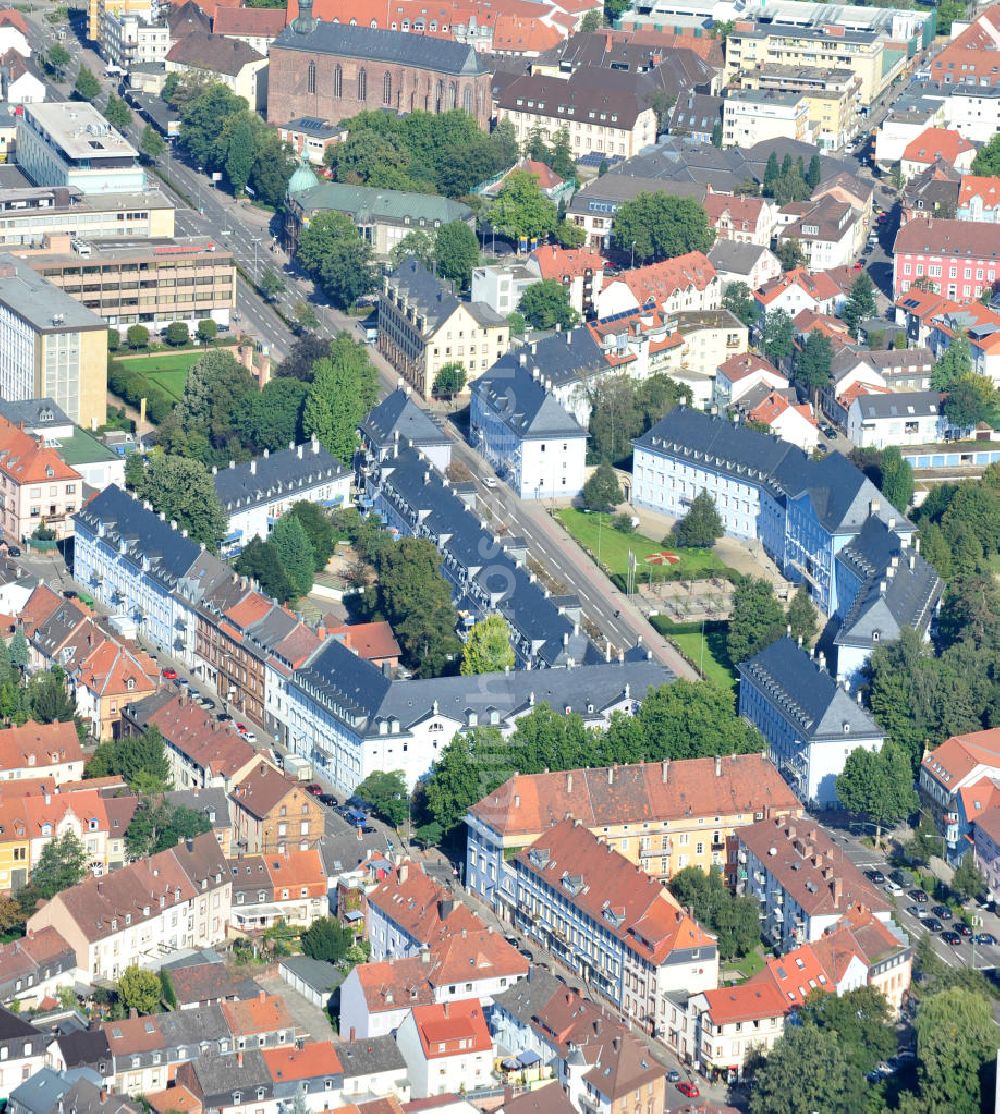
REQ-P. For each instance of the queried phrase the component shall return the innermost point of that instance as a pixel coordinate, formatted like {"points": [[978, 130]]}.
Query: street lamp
{"points": [[255, 241]]}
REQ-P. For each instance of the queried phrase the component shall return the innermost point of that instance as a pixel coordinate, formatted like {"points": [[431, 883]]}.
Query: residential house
{"points": [[397, 421], [423, 326], [257, 27], [788, 420], [141, 1057], [931, 193], [828, 232], [15, 845], [178, 898], [75, 1048], [934, 145], [735, 261], [709, 337], [98, 822], [373, 1067], [204, 979], [374, 641], [698, 115], [36, 966], [745, 220], [979, 323], [687, 282], [954, 254], [216, 58], [594, 205], [213, 803], [912, 418], [236, 1082], [906, 369], [79, 1089], [267, 889], [879, 948], [273, 813], [18, 83], [256, 493], [727, 1025], [687, 811], [501, 285], [752, 116], [804, 882], [611, 923], [802, 511], [986, 849], [745, 372], [810, 722], [42, 490], [261, 1022], [978, 199], [447, 1048], [522, 431], [38, 750], [956, 764], [580, 271], [797, 290], [831, 98], [309, 137], [476, 965], [22, 1051], [107, 678], [311, 1070]]}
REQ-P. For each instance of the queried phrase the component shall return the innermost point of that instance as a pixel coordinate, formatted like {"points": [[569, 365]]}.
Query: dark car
{"points": [[942, 912], [13, 551], [951, 938], [513, 941], [917, 895], [673, 1076], [356, 819], [915, 911], [366, 828], [962, 928], [877, 877], [315, 789], [986, 939], [932, 924], [328, 799], [224, 717], [827, 429]]}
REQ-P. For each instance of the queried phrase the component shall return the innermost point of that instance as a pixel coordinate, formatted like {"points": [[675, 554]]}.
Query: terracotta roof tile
{"points": [[264, 1014], [660, 281], [555, 262], [958, 756], [368, 640], [26, 460], [452, 1029], [748, 363], [752, 1001], [263, 789], [263, 23], [39, 744], [421, 906], [312, 1061], [936, 143], [974, 185]]}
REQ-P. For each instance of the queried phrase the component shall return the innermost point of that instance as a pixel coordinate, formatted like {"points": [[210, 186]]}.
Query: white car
{"points": [[489, 481]]}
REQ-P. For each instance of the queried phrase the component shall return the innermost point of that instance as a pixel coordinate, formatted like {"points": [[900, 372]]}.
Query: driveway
{"points": [[307, 1017]]}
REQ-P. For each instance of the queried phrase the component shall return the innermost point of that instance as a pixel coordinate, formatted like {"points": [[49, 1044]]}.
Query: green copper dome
{"points": [[303, 179]]}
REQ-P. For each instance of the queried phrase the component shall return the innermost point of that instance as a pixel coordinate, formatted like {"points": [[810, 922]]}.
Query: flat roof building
{"points": [[50, 345]]}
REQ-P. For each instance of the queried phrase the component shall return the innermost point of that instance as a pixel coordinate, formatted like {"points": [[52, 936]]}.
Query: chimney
{"points": [[611, 775], [189, 843], [718, 765], [425, 955], [133, 1013], [403, 872], [665, 769], [100, 885], [838, 890], [239, 1059], [569, 783], [446, 1008]]}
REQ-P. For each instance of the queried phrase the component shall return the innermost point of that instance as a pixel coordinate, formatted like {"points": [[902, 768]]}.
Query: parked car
{"points": [[915, 911], [489, 481], [224, 717], [242, 728], [207, 703], [962, 928], [689, 1089], [986, 939], [168, 674], [673, 1076], [315, 789], [877, 877], [942, 912], [356, 819], [932, 924], [951, 938], [918, 895], [827, 430], [892, 888], [250, 737], [13, 551], [328, 799]]}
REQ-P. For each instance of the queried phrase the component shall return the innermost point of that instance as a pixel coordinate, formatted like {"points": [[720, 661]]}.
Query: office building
{"points": [[31, 214]]}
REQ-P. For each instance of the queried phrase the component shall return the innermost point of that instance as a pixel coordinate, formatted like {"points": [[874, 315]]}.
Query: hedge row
{"points": [[132, 386]]}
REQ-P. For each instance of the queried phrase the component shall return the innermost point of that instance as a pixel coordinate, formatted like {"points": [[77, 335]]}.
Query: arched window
{"points": [[467, 100], [374, 24], [338, 81], [362, 85], [439, 96], [452, 95], [311, 78], [387, 88]]}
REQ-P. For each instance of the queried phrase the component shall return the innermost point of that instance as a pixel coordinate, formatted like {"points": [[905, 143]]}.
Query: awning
{"points": [[527, 1059], [233, 536], [353, 916]]}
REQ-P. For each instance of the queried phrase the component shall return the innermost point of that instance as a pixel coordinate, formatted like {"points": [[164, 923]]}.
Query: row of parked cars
{"points": [[935, 919], [353, 810]]}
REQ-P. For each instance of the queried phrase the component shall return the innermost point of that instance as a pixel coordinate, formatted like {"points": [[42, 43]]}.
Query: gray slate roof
{"points": [[213, 802], [220, 1076], [431, 297], [365, 43], [734, 257], [518, 397], [913, 404], [526, 998], [398, 414], [565, 358], [370, 1055], [807, 694], [35, 413], [266, 477]]}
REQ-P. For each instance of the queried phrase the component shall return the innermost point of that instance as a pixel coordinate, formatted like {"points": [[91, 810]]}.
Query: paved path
{"points": [[307, 1017]]}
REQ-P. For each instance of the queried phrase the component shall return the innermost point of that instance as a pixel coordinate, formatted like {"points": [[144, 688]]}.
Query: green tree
{"points": [[661, 226], [176, 334], [151, 143], [137, 336], [273, 167], [602, 491], [62, 864], [387, 795], [239, 140], [956, 1037], [327, 940], [203, 121], [20, 651], [58, 58], [740, 302], [987, 160], [861, 1021], [456, 252], [207, 330], [167, 990], [622, 408], [11, 916], [136, 758], [789, 254], [319, 530], [271, 285], [592, 21], [771, 171], [117, 113], [860, 303], [815, 172], [813, 362], [157, 825], [969, 401], [336, 257], [702, 526], [183, 490], [488, 648], [734, 920], [204, 424], [470, 766], [778, 335], [897, 478], [806, 1071], [260, 562], [757, 619], [306, 317], [521, 210], [517, 323], [545, 304], [925, 844], [294, 552], [449, 381], [570, 235], [878, 785], [87, 87], [417, 244], [967, 881], [47, 698], [343, 390], [802, 616], [139, 990], [954, 363]]}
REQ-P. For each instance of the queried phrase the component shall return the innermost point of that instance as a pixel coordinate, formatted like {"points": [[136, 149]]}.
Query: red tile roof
{"points": [[555, 262], [933, 235], [744, 213], [312, 1061], [660, 281], [859, 390], [958, 756], [421, 906], [266, 1013], [772, 407], [39, 744], [110, 667], [748, 363], [936, 143], [264, 788], [752, 1001], [295, 870], [25, 460], [207, 743], [369, 640], [395, 984], [972, 55], [819, 286], [796, 975], [989, 823], [975, 185], [15, 19], [515, 35], [452, 1029], [259, 23], [251, 609], [977, 798]]}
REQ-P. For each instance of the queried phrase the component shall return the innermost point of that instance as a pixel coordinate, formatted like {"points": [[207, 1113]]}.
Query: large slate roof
{"points": [[262, 479], [369, 44], [517, 394], [435, 302], [565, 358], [807, 694], [398, 414]]}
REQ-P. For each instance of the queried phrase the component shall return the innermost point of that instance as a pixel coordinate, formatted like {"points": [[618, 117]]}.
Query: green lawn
{"points": [[748, 965], [594, 533], [707, 651], [167, 369]]}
